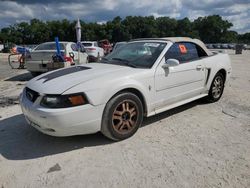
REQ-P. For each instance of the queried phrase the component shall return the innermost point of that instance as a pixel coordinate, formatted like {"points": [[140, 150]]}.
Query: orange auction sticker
{"points": [[183, 48]]}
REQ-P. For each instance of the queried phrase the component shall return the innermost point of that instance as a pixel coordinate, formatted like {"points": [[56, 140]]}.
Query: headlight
{"points": [[63, 101]]}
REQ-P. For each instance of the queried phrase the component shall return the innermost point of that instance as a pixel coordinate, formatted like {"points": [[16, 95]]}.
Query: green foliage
{"points": [[244, 38], [210, 29]]}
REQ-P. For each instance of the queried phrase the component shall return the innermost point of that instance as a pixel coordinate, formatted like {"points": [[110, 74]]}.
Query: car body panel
{"points": [[60, 84], [179, 83], [64, 121]]}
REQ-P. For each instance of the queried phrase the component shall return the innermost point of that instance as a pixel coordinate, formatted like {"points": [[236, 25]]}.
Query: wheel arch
{"points": [[223, 72], [211, 98], [135, 92]]}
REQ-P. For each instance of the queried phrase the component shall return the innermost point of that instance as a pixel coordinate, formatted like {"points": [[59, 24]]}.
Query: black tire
{"points": [[34, 74], [216, 88], [130, 115]]}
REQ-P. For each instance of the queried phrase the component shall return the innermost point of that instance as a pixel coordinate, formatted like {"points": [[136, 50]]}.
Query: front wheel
{"points": [[217, 88], [122, 116]]}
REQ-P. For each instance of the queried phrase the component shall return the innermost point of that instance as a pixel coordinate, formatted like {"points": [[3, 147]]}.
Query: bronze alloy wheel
{"points": [[122, 116], [125, 117], [217, 87]]}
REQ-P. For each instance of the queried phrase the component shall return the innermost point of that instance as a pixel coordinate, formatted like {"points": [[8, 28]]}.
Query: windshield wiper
{"points": [[104, 59], [125, 62], [131, 65], [120, 59]]}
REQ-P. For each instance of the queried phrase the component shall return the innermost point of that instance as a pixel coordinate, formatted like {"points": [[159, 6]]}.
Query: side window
{"points": [[173, 53], [191, 52], [184, 52], [95, 44]]}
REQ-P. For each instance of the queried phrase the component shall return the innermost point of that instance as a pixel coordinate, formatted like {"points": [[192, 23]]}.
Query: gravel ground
{"points": [[195, 145]]}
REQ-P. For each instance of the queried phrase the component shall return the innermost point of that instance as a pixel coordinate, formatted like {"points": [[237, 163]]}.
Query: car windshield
{"points": [[49, 46], [136, 54], [118, 45], [86, 44]]}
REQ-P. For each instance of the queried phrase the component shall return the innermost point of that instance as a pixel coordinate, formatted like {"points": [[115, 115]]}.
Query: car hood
{"points": [[56, 82]]}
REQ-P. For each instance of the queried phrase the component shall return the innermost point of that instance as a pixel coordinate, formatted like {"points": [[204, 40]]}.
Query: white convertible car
{"points": [[143, 78]]}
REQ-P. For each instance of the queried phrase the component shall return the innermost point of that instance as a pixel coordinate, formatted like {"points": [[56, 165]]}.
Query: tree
{"points": [[117, 31], [212, 28], [186, 28], [165, 27], [140, 27], [244, 38]]}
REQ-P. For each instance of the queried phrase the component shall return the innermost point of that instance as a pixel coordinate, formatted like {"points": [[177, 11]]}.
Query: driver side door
{"points": [[177, 83]]}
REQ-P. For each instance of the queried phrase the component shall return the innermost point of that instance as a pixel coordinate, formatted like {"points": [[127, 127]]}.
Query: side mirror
{"points": [[170, 63]]}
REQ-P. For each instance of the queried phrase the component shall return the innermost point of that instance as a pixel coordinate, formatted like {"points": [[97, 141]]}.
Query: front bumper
{"points": [[78, 120]]}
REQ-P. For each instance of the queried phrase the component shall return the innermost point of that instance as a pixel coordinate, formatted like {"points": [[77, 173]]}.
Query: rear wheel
{"points": [[217, 88], [122, 116]]}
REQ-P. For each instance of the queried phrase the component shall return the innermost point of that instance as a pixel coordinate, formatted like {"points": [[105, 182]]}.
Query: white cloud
{"points": [[241, 22], [14, 10], [236, 11]]}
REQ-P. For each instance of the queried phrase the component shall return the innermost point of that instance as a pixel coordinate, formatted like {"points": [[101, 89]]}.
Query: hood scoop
{"points": [[62, 72]]}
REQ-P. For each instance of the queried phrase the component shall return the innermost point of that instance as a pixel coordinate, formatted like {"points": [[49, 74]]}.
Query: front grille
{"points": [[31, 95]]}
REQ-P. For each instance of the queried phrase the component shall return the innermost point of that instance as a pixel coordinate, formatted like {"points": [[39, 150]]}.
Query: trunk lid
{"points": [[42, 55]]}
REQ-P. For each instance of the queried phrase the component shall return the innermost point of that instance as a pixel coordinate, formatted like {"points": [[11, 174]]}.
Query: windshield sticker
{"points": [[152, 44], [183, 48]]}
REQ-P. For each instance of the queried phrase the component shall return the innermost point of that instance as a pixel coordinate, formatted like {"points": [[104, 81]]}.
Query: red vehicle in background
{"points": [[105, 44]]}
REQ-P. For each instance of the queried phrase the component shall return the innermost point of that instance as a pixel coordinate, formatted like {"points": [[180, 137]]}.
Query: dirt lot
{"points": [[196, 145]]}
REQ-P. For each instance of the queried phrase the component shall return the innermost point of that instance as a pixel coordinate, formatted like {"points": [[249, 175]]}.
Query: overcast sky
{"points": [[14, 11]]}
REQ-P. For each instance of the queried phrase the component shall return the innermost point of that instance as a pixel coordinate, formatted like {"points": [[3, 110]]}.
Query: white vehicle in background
{"points": [[94, 51], [1, 47], [141, 79], [37, 61]]}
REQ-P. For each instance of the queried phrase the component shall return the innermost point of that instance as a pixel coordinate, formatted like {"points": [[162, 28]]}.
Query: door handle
{"points": [[199, 67]]}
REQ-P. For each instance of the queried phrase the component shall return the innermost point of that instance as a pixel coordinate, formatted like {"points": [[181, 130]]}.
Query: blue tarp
{"points": [[22, 50]]}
